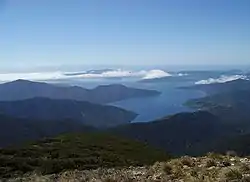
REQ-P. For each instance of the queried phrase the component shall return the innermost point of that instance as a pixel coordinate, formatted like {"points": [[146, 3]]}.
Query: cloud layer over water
{"points": [[221, 79], [152, 74], [91, 74]]}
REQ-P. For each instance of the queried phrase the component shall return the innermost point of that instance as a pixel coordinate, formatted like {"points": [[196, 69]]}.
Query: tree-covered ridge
{"points": [[87, 113], [24, 89], [231, 106], [225, 99], [17, 131], [179, 134]]}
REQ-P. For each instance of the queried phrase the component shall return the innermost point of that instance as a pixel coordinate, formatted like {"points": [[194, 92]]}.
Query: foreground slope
{"points": [[24, 89], [55, 109], [77, 151], [209, 168]]}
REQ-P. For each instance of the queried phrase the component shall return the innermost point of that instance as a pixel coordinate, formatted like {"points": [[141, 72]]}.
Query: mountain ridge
{"points": [[54, 109], [178, 134], [25, 89]]}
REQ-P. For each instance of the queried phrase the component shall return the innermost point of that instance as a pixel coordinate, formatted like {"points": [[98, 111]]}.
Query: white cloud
{"points": [[31, 76], [221, 79], [113, 74], [151, 74], [182, 74], [84, 75], [156, 74]]}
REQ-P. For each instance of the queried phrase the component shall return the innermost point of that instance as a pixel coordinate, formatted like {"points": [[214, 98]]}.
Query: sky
{"points": [[36, 33]]}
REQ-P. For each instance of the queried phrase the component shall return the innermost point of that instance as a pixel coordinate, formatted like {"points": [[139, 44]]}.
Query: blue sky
{"points": [[127, 32]]}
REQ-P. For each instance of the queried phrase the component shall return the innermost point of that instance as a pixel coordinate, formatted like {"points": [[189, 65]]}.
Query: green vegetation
{"points": [[234, 174], [171, 171], [76, 151], [211, 163], [187, 161]]}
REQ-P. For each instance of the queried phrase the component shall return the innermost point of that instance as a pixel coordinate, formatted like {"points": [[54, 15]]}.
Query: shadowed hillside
{"points": [[180, 134], [16, 131], [231, 106], [55, 109]]}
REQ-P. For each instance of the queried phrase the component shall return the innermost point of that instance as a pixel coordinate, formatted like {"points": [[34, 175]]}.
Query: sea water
{"points": [[170, 101]]}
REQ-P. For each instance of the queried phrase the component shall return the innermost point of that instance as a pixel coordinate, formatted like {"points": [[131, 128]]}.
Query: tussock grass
{"points": [[185, 169]]}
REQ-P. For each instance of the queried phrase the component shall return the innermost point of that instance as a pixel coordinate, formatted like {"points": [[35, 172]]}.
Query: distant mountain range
{"points": [[221, 116], [50, 109], [23, 89], [36, 101]]}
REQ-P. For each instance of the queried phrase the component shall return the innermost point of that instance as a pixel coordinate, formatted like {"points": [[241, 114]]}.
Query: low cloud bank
{"points": [[110, 74], [31, 76], [119, 73], [221, 79], [151, 74]]}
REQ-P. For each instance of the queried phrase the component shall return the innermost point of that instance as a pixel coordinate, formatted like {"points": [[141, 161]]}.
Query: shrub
{"points": [[233, 174], [226, 163], [194, 173], [231, 153], [109, 179], [215, 156], [245, 168], [246, 179], [178, 172], [187, 161], [167, 168], [210, 163]]}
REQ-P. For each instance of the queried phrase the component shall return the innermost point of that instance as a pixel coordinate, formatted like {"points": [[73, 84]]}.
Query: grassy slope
{"points": [[210, 168], [76, 151]]}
